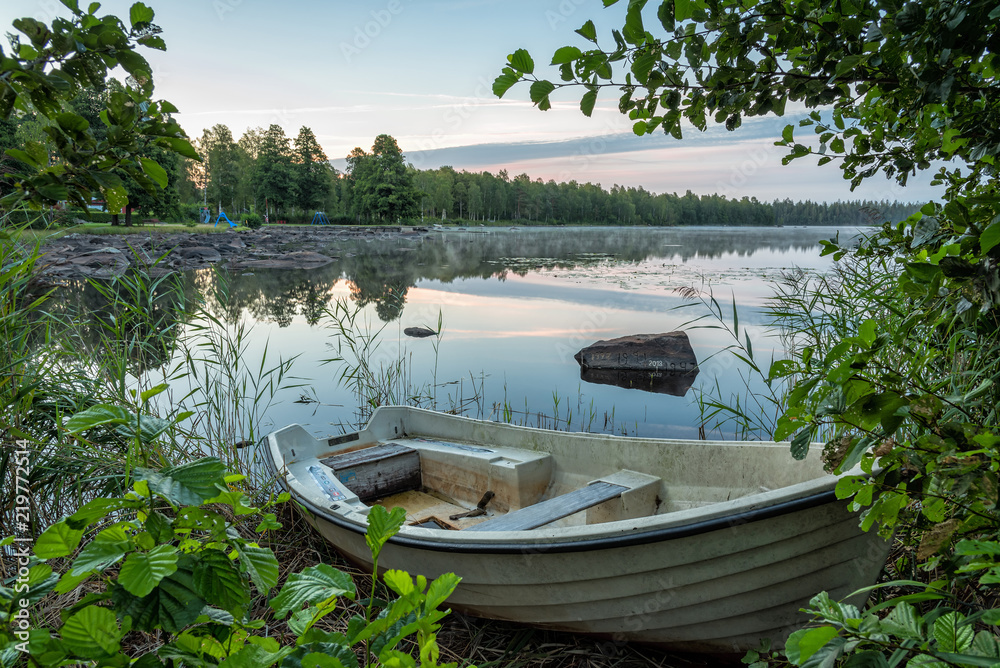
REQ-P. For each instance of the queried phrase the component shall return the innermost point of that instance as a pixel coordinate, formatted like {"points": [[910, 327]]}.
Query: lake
{"points": [[515, 305]]}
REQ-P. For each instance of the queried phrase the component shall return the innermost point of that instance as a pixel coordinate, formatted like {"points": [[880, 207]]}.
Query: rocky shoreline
{"points": [[81, 255]]}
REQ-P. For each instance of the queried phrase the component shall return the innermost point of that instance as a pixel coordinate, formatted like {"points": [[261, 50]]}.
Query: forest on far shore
{"points": [[279, 178]]}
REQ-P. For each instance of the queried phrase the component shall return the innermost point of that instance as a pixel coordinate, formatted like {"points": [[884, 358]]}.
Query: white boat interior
{"points": [[451, 474]]}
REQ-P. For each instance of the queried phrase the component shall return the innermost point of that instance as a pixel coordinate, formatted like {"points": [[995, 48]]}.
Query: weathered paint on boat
{"points": [[713, 545]]}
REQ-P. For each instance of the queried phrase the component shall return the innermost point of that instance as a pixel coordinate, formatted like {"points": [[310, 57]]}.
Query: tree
{"points": [[897, 363], [312, 171], [273, 173], [40, 76], [382, 186], [220, 154], [883, 68]]}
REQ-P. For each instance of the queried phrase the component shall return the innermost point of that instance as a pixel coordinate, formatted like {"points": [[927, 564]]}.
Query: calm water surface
{"points": [[516, 305]]}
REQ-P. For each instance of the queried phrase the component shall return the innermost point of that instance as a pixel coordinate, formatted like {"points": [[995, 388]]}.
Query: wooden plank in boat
{"points": [[553, 509], [377, 471]]}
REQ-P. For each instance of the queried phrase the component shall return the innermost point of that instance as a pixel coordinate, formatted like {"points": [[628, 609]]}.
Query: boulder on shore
{"points": [[641, 352]]}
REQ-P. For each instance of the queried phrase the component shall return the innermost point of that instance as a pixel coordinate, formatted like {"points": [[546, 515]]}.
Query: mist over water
{"points": [[515, 306]]}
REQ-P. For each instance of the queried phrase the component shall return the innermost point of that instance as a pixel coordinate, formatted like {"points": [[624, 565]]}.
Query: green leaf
{"points": [[171, 606], [521, 61], [188, 484], [98, 555], [399, 581], [990, 237], [503, 82], [155, 172], [40, 581], [566, 54], [98, 509], [985, 644], [382, 525], [440, 590], [683, 10], [588, 31], [96, 416], [59, 540], [587, 102], [72, 123], [153, 42], [904, 621], [952, 633], [540, 90], [800, 443], [68, 582], [116, 198], [142, 571], [219, 582], [159, 527], [146, 395], [849, 485], [866, 332], [314, 584], [805, 642], [260, 566], [92, 633], [140, 15], [951, 141], [180, 146], [867, 660]]}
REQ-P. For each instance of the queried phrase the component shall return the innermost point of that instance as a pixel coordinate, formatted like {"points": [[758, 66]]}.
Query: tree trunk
{"points": [[114, 219], [128, 216]]}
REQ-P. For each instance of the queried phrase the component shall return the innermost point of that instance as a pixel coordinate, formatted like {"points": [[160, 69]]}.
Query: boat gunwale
{"points": [[555, 546], [487, 542]]}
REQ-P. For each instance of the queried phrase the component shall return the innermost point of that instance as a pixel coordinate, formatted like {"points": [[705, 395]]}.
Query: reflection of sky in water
{"points": [[512, 339]]}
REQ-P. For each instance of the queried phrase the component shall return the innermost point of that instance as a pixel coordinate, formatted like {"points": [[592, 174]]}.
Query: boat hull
{"points": [[720, 591], [714, 577]]}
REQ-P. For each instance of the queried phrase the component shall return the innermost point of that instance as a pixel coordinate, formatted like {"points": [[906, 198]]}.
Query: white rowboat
{"points": [[700, 546]]}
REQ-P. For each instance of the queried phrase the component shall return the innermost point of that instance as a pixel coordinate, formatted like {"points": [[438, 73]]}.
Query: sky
{"points": [[422, 71]]}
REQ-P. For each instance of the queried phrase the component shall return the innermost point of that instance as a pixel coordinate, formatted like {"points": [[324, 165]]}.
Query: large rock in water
{"points": [[670, 352]]}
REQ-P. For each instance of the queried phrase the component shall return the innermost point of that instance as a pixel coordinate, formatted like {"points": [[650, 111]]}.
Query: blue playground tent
{"points": [[320, 219]]}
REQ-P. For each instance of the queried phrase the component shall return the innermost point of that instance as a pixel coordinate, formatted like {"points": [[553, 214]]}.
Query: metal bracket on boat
{"points": [[480, 508]]}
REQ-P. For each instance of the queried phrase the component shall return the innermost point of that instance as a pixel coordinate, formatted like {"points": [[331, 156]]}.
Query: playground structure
{"points": [[320, 219], [206, 215], [223, 216]]}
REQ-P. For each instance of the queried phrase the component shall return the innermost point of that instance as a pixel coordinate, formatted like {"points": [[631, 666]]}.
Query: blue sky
{"points": [[421, 71]]}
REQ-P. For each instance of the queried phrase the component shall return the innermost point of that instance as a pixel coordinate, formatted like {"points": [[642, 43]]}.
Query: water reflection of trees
{"points": [[380, 272], [135, 318]]}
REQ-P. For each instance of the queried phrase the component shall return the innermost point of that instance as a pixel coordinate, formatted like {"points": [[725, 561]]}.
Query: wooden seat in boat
{"points": [[553, 509], [378, 471]]}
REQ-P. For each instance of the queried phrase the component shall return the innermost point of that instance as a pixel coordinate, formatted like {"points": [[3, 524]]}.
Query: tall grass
{"points": [[146, 336], [807, 314]]}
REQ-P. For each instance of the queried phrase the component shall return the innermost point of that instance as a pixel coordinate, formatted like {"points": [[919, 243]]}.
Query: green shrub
{"points": [[342, 219], [170, 558], [252, 220]]}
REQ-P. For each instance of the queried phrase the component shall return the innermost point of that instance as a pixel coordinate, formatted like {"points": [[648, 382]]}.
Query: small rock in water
{"points": [[419, 332]]}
